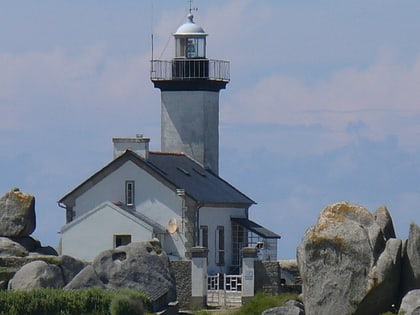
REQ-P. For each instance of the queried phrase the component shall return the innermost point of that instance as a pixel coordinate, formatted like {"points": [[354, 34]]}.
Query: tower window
{"points": [[129, 193], [190, 47]]}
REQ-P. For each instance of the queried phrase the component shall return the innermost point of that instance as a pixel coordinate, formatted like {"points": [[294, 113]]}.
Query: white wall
{"points": [[212, 217], [152, 199], [190, 124], [95, 231]]}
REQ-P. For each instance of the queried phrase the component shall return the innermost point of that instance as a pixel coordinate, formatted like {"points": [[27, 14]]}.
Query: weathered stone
{"points": [[86, 278], [290, 308], [17, 214], [37, 274], [28, 242], [70, 267], [345, 261], [11, 248], [290, 277], [384, 220], [410, 304], [181, 270], [140, 266], [383, 281], [46, 250], [411, 260]]}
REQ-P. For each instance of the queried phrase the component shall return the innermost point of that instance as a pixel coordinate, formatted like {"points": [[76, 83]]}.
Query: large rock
{"points": [[11, 248], [86, 278], [28, 242], [70, 267], [384, 220], [37, 274], [17, 214], [346, 264], [290, 308], [410, 304], [142, 266], [411, 260]]}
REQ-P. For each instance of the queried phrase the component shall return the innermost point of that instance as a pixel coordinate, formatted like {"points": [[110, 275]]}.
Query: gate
{"points": [[224, 290]]}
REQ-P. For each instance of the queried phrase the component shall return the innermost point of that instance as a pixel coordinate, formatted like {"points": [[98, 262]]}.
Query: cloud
{"points": [[53, 88], [378, 100]]}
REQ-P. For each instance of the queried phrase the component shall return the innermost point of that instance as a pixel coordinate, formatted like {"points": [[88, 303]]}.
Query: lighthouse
{"points": [[190, 85]]}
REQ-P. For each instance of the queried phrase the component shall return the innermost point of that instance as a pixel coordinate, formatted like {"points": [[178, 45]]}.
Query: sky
{"points": [[323, 104]]}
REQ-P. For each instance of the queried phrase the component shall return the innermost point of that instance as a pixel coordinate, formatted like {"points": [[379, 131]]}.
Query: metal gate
{"points": [[224, 290]]}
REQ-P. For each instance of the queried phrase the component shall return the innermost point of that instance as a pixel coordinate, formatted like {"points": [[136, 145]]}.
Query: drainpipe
{"points": [[181, 194], [197, 225]]}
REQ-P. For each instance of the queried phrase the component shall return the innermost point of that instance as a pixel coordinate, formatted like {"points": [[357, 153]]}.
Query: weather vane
{"points": [[191, 7]]}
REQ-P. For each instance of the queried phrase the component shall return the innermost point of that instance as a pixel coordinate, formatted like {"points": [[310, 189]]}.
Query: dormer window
{"points": [[129, 193]]}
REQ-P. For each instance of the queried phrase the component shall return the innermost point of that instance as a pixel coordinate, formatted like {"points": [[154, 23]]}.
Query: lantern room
{"points": [[190, 40]]}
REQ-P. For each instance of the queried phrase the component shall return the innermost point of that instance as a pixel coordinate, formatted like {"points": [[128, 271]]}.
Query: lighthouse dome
{"points": [[190, 28]]}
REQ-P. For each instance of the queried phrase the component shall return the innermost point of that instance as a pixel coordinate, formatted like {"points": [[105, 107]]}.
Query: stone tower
{"points": [[190, 84]]}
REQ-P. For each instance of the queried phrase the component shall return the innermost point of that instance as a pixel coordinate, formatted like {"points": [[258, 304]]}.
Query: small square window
{"points": [[121, 240]]}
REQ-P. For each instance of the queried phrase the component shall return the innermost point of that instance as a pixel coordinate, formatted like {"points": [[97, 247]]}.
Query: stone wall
{"points": [[267, 277], [181, 270]]}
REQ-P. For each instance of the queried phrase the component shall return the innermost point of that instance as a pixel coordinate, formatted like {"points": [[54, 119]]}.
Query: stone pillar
{"points": [[199, 276], [249, 255]]}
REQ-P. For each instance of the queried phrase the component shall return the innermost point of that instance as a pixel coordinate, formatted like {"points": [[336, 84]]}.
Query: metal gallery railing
{"points": [[187, 69]]}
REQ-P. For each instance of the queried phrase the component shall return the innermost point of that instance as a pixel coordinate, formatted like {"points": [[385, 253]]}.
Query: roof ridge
{"points": [[168, 153]]}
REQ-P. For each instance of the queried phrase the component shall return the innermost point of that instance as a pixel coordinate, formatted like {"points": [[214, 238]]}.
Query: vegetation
{"points": [[128, 303], [263, 301], [258, 304], [63, 302]]}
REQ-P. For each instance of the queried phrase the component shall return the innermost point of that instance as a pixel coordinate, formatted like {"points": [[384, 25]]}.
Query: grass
{"points": [[256, 306], [91, 301]]}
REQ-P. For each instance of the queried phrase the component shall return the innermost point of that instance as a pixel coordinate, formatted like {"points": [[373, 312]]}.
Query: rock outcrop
{"points": [[17, 214], [39, 271], [384, 220], [349, 262], [17, 222], [411, 260], [27, 265], [142, 266], [11, 248], [410, 304], [35, 275], [290, 308]]}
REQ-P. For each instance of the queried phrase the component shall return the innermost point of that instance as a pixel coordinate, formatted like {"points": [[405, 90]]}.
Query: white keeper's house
{"points": [[175, 195]]}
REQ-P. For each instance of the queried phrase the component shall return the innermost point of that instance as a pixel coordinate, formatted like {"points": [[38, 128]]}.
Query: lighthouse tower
{"points": [[190, 84]]}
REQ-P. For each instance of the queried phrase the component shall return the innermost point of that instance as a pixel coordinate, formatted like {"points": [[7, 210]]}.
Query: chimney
{"points": [[138, 145]]}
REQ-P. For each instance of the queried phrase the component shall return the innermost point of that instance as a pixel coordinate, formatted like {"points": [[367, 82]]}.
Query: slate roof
{"points": [[255, 227], [176, 170], [202, 185]]}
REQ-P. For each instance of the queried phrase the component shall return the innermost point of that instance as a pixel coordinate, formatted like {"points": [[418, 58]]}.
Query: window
{"points": [[238, 242], [190, 47], [204, 236], [121, 240], [129, 193], [220, 245]]}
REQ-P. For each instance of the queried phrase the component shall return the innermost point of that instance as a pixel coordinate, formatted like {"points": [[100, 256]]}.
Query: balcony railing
{"points": [[188, 69]]}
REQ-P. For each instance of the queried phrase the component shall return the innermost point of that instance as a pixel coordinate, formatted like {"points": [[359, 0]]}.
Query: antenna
{"points": [[151, 35]]}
